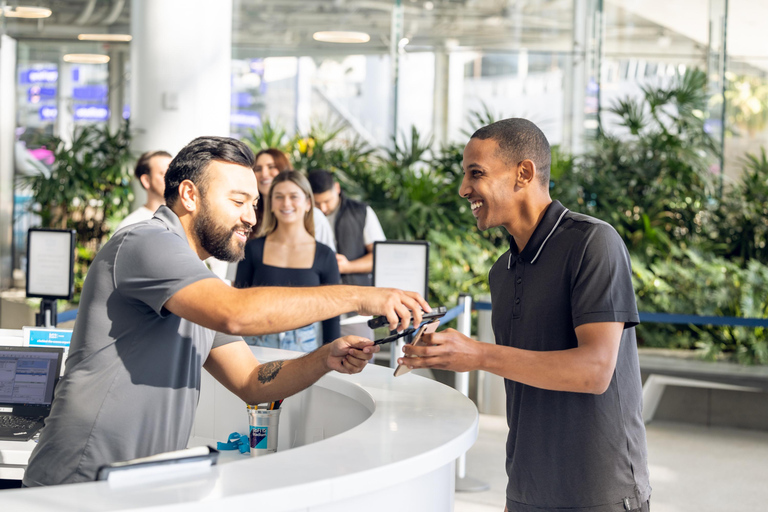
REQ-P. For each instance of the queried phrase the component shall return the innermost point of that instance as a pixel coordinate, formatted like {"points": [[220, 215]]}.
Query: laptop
{"points": [[28, 376]]}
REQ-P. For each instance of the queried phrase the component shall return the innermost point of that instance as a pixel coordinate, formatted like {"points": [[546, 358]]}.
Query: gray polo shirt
{"points": [[132, 377], [574, 451]]}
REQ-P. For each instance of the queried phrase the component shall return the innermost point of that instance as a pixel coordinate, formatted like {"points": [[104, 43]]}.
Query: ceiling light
{"points": [[26, 12], [86, 58], [341, 36], [118, 38]]}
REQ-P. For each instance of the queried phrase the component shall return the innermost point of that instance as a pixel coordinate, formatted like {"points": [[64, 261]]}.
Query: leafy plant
{"points": [[651, 181], [740, 223], [414, 191], [86, 186], [266, 136], [697, 284]]}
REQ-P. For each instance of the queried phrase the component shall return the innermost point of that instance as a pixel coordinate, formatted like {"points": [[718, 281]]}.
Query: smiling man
{"points": [[563, 316], [152, 316], [150, 171]]}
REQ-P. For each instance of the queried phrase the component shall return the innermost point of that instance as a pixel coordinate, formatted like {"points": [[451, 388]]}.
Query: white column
{"points": [[7, 140], [180, 71], [440, 97], [304, 75]]}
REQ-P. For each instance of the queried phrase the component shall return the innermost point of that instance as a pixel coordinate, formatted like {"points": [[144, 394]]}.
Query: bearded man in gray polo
{"points": [[152, 316]]}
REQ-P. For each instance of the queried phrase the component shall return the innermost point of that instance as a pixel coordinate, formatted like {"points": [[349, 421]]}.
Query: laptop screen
{"points": [[28, 375]]}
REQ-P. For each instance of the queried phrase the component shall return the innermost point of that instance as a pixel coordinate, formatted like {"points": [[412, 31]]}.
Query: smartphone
{"points": [[381, 321], [425, 328]]}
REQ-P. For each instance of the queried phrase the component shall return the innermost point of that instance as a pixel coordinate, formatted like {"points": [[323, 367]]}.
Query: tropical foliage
{"points": [[87, 185], [414, 191], [694, 251]]}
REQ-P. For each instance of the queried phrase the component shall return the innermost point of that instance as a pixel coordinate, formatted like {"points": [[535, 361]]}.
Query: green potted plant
{"points": [[86, 186]]}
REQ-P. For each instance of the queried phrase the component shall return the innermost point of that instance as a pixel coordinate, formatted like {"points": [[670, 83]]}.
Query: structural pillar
{"points": [[180, 71], [7, 140]]}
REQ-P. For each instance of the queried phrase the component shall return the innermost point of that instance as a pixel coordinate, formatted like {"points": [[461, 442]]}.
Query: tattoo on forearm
{"points": [[269, 371]]}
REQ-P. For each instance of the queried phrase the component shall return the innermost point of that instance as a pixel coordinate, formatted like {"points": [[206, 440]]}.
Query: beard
{"points": [[218, 240]]}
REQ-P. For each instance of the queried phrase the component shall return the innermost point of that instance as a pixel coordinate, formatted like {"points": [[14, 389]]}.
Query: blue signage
{"points": [[242, 99], [37, 76], [90, 92], [42, 337], [37, 93], [249, 119], [48, 113], [91, 113]]}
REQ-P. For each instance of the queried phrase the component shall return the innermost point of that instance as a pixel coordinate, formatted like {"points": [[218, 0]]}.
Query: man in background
{"points": [[150, 171], [355, 227]]}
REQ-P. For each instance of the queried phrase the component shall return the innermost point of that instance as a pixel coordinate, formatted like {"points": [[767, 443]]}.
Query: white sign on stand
{"points": [[402, 264], [50, 263]]}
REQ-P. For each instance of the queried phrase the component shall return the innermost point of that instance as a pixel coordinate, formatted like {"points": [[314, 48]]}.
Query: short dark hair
{"points": [[320, 180], [518, 140], [280, 158], [192, 162], [142, 165]]}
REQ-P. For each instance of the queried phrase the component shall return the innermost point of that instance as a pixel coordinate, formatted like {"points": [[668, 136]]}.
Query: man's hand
{"points": [[447, 350], [343, 263], [350, 354], [395, 304]]}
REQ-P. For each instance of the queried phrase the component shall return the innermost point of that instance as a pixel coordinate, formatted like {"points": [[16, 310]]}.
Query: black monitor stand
{"points": [[47, 315]]}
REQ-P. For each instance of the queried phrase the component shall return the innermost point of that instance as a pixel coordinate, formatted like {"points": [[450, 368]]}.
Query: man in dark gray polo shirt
{"points": [[563, 316], [151, 315]]}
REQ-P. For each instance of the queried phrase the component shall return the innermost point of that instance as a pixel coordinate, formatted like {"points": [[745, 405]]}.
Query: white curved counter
{"points": [[348, 443]]}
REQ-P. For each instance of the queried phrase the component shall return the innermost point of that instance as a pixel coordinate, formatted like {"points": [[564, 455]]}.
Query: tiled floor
{"points": [[693, 468]]}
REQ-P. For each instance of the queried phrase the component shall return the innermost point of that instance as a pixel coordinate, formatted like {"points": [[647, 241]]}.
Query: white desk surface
{"points": [[417, 426]]}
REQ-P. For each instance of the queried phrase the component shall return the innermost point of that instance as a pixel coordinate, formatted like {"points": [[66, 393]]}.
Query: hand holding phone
{"points": [[425, 328]]}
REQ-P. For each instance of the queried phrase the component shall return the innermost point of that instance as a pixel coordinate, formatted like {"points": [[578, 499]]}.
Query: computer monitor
{"points": [[28, 375], [51, 263]]}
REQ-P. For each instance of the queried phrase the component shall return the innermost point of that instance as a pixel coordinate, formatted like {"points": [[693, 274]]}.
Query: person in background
{"points": [[285, 253], [152, 316], [271, 162], [355, 228], [564, 317], [150, 171]]}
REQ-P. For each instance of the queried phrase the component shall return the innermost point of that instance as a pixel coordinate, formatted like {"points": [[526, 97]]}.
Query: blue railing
{"points": [[665, 318]]}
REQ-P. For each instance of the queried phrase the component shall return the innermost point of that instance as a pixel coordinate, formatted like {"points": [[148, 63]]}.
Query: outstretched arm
{"points": [[235, 366], [261, 310]]}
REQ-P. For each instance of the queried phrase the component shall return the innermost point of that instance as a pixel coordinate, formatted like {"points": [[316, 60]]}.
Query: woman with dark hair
{"points": [[285, 253], [268, 164]]}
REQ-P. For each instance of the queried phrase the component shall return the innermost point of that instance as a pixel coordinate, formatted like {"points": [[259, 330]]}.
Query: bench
{"points": [[678, 368]]}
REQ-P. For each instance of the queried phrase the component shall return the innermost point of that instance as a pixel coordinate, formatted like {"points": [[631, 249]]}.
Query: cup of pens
{"points": [[264, 421]]}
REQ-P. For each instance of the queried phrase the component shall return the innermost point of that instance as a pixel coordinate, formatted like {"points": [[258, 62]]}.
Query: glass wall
{"points": [[487, 60], [746, 82], [440, 66], [54, 98], [434, 66]]}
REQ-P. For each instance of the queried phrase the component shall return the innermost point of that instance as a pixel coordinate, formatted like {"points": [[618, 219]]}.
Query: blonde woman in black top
{"points": [[285, 253]]}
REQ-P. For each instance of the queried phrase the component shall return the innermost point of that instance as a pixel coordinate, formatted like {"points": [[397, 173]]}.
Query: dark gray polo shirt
{"points": [[132, 378], [574, 451]]}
